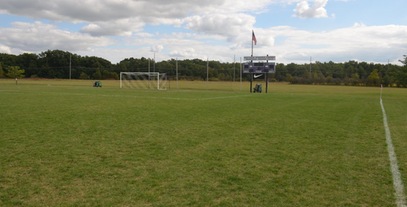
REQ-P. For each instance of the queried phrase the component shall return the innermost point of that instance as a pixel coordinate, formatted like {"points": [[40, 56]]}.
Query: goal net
{"points": [[143, 80]]}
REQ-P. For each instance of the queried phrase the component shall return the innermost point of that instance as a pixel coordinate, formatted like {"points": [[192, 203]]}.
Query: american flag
{"points": [[254, 38]]}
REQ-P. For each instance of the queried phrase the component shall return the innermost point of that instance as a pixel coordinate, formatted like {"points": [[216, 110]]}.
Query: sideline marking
{"points": [[135, 96], [394, 167]]}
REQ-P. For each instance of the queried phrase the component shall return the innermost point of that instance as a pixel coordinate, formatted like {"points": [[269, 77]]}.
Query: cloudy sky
{"points": [[292, 30]]}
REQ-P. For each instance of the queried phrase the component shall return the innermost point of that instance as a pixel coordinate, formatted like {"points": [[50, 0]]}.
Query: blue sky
{"points": [[292, 30]]}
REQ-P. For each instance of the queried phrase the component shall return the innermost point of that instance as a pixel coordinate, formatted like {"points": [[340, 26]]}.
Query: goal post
{"points": [[143, 80]]}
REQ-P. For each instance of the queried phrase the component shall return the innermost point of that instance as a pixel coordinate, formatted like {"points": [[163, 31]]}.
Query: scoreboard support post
{"points": [[251, 82], [267, 82]]}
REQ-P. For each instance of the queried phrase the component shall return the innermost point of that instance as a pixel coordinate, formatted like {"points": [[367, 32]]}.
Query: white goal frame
{"points": [[159, 80]]}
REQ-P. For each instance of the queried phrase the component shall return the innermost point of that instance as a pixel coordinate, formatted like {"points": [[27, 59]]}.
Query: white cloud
{"points": [[184, 53], [37, 36], [359, 41], [124, 17], [5, 49], [122, 27], [367, 43], [316, 10], [220, 24], [157, 48]]}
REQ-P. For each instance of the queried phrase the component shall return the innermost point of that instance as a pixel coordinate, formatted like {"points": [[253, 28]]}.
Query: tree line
{"points": [[57, 64]]}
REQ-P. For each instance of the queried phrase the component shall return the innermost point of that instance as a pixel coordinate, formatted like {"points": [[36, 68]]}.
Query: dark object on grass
{"points": [[257, 88], [97, 84]]}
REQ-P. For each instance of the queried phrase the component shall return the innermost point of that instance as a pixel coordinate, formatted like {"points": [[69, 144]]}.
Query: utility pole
{"points": [[154, 62], [240, 73], [207, 69], [70, 66], [176, 70], [149, 74], [234, 67]]}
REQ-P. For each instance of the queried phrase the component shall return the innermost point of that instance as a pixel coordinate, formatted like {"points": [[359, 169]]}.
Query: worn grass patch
{"points": [[64, 143]]}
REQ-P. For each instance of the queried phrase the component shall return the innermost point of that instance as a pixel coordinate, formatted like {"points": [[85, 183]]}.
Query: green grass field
{"points": [[65, 143]]}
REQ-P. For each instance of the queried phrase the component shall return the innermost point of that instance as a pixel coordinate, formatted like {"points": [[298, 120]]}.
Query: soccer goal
{"points": [[143, 80]]}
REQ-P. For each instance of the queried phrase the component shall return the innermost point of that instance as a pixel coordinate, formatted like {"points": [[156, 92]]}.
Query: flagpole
{"points": [[251, 74], [252, 44]]}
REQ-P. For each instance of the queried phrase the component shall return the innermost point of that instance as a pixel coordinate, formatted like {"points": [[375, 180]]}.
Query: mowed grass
{"points": [[64, 143]]}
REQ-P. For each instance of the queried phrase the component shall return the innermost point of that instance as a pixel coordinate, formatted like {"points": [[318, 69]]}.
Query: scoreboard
{"points": [[259, 67], [259, 64]]}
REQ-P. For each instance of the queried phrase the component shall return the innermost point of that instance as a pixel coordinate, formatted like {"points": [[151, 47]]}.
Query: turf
{"points": [[64, 143]]}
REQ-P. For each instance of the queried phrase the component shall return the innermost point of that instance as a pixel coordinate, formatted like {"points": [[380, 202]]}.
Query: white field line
{"points": [[171, 98], [142, 97], [397, 181]]}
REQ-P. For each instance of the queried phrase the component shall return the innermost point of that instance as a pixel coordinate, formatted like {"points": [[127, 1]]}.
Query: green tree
{"points": [[355, 80], [29, 62], [404, 61], [1, 71], [84, 76], [373, 79], [402, 74], [401, 78], [15, 72], [97, 75]]}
